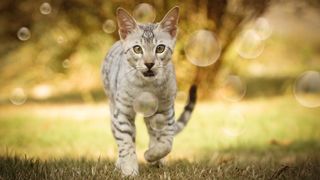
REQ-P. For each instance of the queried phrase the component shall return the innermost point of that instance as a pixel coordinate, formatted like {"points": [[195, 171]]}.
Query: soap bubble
{"points": [[24, 34], [234, 124], [307, 89], [109, 26], [233, 88], [66, 63], [202, 48], [18, 96], [181, 96], [250, 45], [146, 103], [158, 122], [263, 28], [45, 8], [144, 13], [60, 40]]}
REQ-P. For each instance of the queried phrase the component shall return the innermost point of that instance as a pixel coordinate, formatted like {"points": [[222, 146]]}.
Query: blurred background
{"points": [[256, 64]]}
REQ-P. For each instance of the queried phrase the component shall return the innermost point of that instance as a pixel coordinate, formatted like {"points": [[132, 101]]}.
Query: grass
{"points": [[255, 139]]}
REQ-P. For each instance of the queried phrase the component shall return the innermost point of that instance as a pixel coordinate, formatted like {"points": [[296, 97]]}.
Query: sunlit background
{"points": [[256, 63]]}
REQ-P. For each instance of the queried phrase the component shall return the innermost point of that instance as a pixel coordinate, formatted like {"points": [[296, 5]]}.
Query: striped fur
{"points": [[126, 74]]}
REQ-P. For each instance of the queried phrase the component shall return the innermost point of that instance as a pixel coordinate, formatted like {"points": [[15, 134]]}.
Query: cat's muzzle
{"points": [[148, 73]]}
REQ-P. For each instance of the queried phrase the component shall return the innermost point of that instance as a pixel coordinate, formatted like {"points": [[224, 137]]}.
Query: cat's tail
{"points": [[186, 114]]}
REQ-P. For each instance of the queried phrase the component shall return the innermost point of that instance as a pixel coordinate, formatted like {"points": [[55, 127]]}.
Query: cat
{"points": [[141, 62]]}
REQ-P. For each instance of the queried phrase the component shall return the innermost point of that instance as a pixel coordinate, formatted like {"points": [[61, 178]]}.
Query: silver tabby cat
{"points": [[141, 62]]}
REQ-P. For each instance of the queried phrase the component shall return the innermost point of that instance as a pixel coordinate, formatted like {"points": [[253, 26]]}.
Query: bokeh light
{"points": [[45, 8], [234, 124], [24, 34], [146, 103], [144, 13], [158, 122], [109, 26], [202, 48], [262, 28], [233, 89], [18, 96], [307, 89], [250, 45], [42, 91]]}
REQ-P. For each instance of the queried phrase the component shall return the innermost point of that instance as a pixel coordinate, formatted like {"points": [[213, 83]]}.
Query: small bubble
{"points": [[24, 34], [45, 8], [144, 13], [60, 40], [250, 45], [18, 96], [263, 28], [233, 89], [158, 122], [202, 48], [181, 96], [109, 26], [66, 63], [146, 103], [307, 89], [234, 124]]}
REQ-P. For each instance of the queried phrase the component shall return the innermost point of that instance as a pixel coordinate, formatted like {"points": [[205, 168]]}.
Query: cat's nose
{"points": [[149, 65]]}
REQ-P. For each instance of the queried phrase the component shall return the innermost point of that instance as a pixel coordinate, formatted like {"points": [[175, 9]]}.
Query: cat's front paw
{"points": [[128, 166]]}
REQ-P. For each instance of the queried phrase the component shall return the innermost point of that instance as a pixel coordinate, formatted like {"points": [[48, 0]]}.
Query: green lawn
{"points": [[258, 138]]}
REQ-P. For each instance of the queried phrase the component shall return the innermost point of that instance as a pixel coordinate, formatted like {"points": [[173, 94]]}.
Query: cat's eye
{"points": [[160, 48], [137, 49]]}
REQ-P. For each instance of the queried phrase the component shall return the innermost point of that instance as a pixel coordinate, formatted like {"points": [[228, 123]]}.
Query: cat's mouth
{"points": [[148, 73]]}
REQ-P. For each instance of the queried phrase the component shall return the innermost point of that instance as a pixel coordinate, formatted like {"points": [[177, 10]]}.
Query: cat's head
{"points": [[148, 47]]}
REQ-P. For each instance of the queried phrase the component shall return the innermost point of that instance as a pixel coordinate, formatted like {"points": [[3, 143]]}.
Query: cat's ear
{"points": [[126, 23], [170, 21]]}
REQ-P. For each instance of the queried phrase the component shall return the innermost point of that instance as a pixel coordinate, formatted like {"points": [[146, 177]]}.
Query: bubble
{"points": [[158, 122], [307, 89], [45, 8], [233, 88], [146, 103], [66, 63], [60, 39], [234, 124], [263, 28], [144, 13], [202, 48], [109, 26], [24, 34], [18, 96], [250, 45], [181, 96]]}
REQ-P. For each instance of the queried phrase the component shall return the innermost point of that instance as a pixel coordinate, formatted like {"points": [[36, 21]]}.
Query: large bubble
{"points": [[144, 13], [109, 26], [45, 8], [307, 89], [233, 89], [263, 28], [146, 103], [24, 34], [18, 96], [234, 124], [202, 48], [250, 45]]}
